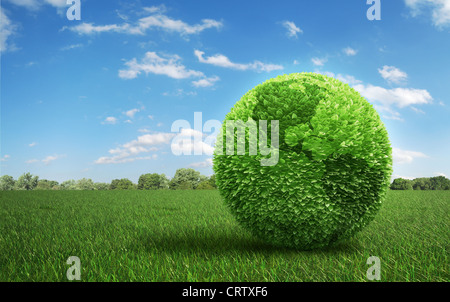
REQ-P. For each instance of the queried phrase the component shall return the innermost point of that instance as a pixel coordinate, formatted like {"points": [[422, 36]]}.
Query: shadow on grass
{"points": [[219, 242]]}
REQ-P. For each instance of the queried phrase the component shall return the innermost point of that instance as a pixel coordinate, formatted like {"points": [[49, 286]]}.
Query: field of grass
{"points": [[190, 236]]}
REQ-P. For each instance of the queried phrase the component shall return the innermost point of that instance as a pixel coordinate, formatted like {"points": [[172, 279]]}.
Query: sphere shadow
{"points": [[222, 243]]}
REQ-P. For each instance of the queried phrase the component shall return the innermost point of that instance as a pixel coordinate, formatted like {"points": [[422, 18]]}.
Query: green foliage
{"points": [[7, 183], [69, 185], [27, 182], [101, 186], [85, 184], [153, 181], [212, 181], [185, 179], [335, 162], [44, 184], [422, 183], [122, 184], [401, 184], [205, 185], [440, 183]]}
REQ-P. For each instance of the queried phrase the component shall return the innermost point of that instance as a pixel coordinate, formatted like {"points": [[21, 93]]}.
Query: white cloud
{"points": [[223, 61], [393, 74], [440, 174], [417, 110], [72, 46], [47, 160], [350, 51], [110, 120], [206, 82], [319, 61], [143, 144], [130, 113], [156, 9], [384, 99], [32, 144], [28, 4], [293, 30], [5, 157], [405, 157], [400, 97], [163, 22], [168, 65], [190, 140], [179, 93], [157, 20], [35, 5], [7, 29], [348, 79], [203, 164], [89, 28], [57, 3], [440, 10], [394, 176]]}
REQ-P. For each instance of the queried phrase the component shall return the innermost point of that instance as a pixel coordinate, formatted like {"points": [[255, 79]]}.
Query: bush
{"points": [[152, 182], [185, 179], [334, 163], [205, 185], [7, 183], [401, 184], [26, 182], [122, 184]]}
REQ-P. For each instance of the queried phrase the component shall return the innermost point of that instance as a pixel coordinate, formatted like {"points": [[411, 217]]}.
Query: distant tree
{"points": [[163, 181], [184, 185], [422, 183], [7, 183], [185, 179], [440, 183], [44, 184], [27, 182], [85, 184], [212, 181], [101, 186], [148, 181], [152, 181], [205, 185], [401, 184], [122, 184], [69, 185]]}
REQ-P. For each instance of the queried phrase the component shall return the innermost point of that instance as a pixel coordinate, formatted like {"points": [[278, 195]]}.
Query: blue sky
{"points": [[96, 97]]}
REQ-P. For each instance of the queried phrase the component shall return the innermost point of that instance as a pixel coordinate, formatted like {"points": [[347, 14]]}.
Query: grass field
{"points": [[190, 236]]}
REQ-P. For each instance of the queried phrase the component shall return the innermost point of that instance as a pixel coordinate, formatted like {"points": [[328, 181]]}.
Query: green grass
{"points": [[190, 236]]}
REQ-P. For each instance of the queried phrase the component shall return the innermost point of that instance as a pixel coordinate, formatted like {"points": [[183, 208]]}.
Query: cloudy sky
{"points": [[97, 97]]}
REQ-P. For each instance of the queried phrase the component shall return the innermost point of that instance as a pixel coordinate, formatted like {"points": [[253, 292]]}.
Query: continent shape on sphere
{"points": [[334, 162]]}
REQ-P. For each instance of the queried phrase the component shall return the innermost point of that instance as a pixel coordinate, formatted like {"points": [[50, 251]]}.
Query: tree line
{"points": [[423, 183], [184, 179]]}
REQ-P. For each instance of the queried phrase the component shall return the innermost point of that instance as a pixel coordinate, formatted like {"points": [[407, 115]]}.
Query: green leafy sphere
{"points": [[334, 166]]}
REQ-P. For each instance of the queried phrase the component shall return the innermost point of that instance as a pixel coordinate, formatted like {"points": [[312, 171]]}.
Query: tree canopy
{"points": [[422, 183]]}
